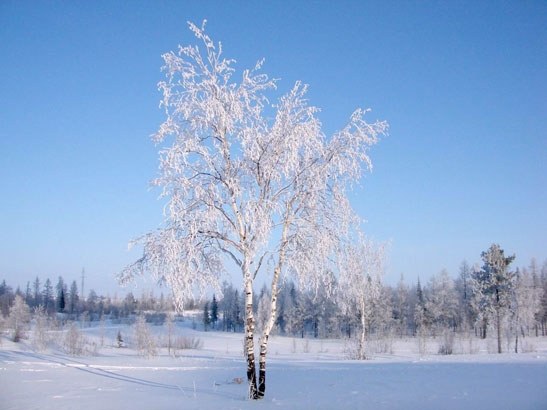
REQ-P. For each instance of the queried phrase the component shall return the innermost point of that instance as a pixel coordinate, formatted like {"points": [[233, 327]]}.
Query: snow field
{"points": [[302, 374]]}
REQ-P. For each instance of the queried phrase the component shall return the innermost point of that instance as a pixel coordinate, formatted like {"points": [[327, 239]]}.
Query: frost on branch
{"points": [[169, 259]]}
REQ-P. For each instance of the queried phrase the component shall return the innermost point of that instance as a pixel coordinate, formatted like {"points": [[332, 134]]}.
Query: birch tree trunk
{"points": [[249, 339], [266, 334]]}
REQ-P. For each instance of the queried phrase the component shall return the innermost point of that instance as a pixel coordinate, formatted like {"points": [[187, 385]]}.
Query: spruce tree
{"points": [[214, 311], [493, 286], [61, 301]]}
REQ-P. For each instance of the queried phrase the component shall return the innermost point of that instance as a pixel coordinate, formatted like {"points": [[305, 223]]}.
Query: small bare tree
{"points": [[249, 181]]}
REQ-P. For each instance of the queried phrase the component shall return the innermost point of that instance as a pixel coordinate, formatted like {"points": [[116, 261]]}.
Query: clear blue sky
{"points": [[462, 84]]}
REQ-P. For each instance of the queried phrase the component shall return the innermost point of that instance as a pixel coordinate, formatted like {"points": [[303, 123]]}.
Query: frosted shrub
{"points": [[145, 343], [382, 344], [74, 342], [306, 345], [19, 319], [421, 338], [446, 345], [491, 345], [526, 346], [466, 344], [102, 324], [352, 350], [186, 343], [40, 336]]}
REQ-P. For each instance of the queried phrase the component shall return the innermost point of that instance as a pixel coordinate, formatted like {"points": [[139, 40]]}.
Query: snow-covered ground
{"points": [[302, 374]]}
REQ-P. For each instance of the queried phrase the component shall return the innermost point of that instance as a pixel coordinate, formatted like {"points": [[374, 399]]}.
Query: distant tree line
{"points": [[483, 300], [66, 301], [488, 300]]}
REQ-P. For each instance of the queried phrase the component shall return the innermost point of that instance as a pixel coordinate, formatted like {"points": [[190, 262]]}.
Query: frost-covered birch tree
{"points": [[248, 182], [360, 283]]}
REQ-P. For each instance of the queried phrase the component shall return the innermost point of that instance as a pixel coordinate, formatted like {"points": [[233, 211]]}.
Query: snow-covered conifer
{"points": [[493, 286]]}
